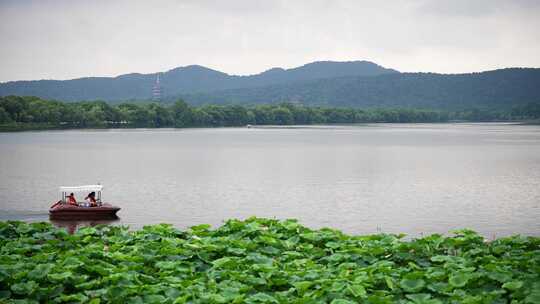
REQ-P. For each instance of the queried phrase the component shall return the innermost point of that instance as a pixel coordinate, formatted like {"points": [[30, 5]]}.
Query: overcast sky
{"points": [[69, 39]]}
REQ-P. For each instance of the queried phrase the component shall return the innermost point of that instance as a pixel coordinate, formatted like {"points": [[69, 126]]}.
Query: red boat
{"points": [[85, 210]]}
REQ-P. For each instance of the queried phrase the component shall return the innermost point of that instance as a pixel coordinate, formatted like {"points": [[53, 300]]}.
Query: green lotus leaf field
{"points": [[261, 261]]}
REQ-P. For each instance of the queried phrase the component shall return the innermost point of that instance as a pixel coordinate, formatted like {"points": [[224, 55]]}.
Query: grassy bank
{"points": [[261, 261], [531, 122], [19, 126]]}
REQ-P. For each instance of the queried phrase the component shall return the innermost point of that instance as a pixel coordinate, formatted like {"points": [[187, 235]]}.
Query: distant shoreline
{"points": [[26, 113], [22, 127]]}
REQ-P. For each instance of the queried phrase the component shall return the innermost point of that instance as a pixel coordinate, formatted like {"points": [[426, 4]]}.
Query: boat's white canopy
{"points": [[85, 188]]}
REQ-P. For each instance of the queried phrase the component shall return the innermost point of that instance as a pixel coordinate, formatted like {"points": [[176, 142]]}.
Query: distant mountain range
{"points": [[183, 80], [351, 84], [493, 89]]}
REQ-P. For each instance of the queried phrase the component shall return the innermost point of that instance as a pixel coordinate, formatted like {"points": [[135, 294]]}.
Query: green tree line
{"points": [[20, 111]]}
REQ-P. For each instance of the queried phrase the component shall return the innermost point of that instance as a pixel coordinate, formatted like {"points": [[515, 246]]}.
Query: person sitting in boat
{"points": [[71, 199], [91, 199]]}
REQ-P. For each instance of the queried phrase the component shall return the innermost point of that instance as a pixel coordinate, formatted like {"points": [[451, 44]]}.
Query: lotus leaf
{"points": [[459, 279], [514, 285]]}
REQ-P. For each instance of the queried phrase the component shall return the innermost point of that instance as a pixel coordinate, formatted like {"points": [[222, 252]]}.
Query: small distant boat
{"points": [[62, 210]]}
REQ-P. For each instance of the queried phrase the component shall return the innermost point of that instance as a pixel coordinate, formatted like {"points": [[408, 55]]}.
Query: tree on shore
{"points": [[99, 114]]}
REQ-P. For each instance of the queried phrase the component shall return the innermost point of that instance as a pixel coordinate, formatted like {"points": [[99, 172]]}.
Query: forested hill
{"points": [[356, 84], [183, 80], [493, 89]]}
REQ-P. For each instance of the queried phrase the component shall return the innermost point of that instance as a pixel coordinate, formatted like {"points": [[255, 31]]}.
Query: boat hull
{"points": [[70, 212]]}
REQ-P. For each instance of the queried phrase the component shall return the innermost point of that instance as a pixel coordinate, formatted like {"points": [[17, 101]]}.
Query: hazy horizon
{"points": [[66, 40]]}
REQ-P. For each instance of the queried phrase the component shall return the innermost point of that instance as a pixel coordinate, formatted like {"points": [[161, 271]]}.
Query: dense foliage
{"points": [[34, 113], [14, 109], [261, 261]]}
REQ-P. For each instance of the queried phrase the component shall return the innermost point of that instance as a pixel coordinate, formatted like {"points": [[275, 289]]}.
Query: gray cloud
{"points": [[68, 39], [478, 8]]}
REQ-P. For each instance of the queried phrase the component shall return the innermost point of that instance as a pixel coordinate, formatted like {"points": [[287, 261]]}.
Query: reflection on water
{"points": [[72, 225]]}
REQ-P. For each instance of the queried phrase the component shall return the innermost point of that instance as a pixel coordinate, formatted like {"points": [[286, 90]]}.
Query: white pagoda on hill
{"points": [[156, 90]]}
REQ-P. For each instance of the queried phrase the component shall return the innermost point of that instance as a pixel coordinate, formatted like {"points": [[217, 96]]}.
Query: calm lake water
{"points": [[415, 179]]}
